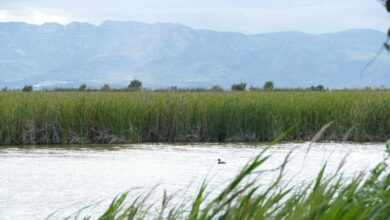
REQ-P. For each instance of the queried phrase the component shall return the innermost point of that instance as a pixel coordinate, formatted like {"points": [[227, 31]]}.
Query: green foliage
{"points": [[27, 88], [319, 88], [83, 87], [4, 89], [119, 117], [268, 86], [387, 5], [239, 87], [105, 88], [216, 88], [177, 89], [255, 89], [135, 85]]}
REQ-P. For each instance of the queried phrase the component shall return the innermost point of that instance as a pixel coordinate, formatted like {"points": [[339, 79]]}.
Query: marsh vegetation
{"points": [[101, 117]]}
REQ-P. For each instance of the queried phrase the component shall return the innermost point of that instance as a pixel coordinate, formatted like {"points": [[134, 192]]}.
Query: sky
{"points": [[246, 16]]}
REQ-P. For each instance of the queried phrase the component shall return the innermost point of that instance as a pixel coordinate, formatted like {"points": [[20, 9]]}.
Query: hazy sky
{"points": [[249, 16]]}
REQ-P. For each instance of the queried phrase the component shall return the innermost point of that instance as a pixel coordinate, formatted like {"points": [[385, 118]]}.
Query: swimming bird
{"points": [[221, 162]]}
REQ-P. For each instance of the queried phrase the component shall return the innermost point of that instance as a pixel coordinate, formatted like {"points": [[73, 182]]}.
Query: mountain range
{"points": [[167, 54]]}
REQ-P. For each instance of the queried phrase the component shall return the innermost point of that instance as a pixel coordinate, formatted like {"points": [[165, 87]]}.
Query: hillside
{"points": [[164, 54]]}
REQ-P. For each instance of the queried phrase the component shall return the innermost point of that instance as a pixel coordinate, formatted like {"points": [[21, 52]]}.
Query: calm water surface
{"points": [[36, 182]]}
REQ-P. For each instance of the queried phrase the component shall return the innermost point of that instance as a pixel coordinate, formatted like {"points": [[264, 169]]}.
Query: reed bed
{"points": [[117, 117], [365, 196]]}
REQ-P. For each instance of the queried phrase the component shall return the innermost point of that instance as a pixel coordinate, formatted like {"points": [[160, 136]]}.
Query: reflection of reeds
{"points": [[61, 117], [333, 197]]}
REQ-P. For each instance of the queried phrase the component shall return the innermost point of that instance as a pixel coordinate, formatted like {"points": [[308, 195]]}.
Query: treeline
{"points": [[136, 85]]}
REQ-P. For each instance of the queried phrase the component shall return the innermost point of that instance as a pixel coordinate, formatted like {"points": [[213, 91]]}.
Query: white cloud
{"points": [[3, 14], [40, 17], [249, 16], [34, 16]]}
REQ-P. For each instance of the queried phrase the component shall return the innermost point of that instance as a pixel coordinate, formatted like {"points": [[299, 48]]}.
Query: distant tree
{"points": [[254, 89], [4, 89], [269, 85], [83, 87], [368, 88], [216, 88], [28, 88], [105, 88], [318, 88], [135, 85], [173, 88], [239, 87]]}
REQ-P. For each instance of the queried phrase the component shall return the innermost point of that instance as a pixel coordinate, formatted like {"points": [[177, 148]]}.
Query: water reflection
{"points": [[35, 182]]}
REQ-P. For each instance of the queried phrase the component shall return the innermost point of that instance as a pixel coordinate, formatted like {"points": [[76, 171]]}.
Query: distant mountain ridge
{"points": [[165, 54]]}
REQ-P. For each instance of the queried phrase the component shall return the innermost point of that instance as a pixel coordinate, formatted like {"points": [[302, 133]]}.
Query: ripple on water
{"points": [[34, 182]]}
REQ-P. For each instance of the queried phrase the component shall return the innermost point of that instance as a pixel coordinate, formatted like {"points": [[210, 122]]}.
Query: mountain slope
{"points": [[172, 54]]}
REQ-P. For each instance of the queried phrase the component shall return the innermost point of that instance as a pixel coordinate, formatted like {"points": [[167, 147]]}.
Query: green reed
{"points": [[118, 117]]}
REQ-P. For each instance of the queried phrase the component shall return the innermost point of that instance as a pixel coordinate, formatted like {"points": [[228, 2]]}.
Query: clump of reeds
{"points": [[362, 197], [98, 117]]}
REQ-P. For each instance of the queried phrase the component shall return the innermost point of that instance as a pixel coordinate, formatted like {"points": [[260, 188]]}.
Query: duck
{"points": [[221, 162]]}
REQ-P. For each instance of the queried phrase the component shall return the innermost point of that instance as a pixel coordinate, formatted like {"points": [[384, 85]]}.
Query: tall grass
{"points": [[327, 198], [76, 117]]}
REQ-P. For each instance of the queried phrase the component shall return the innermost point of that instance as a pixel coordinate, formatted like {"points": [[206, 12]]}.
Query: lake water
{"points": [[36, 182]]}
